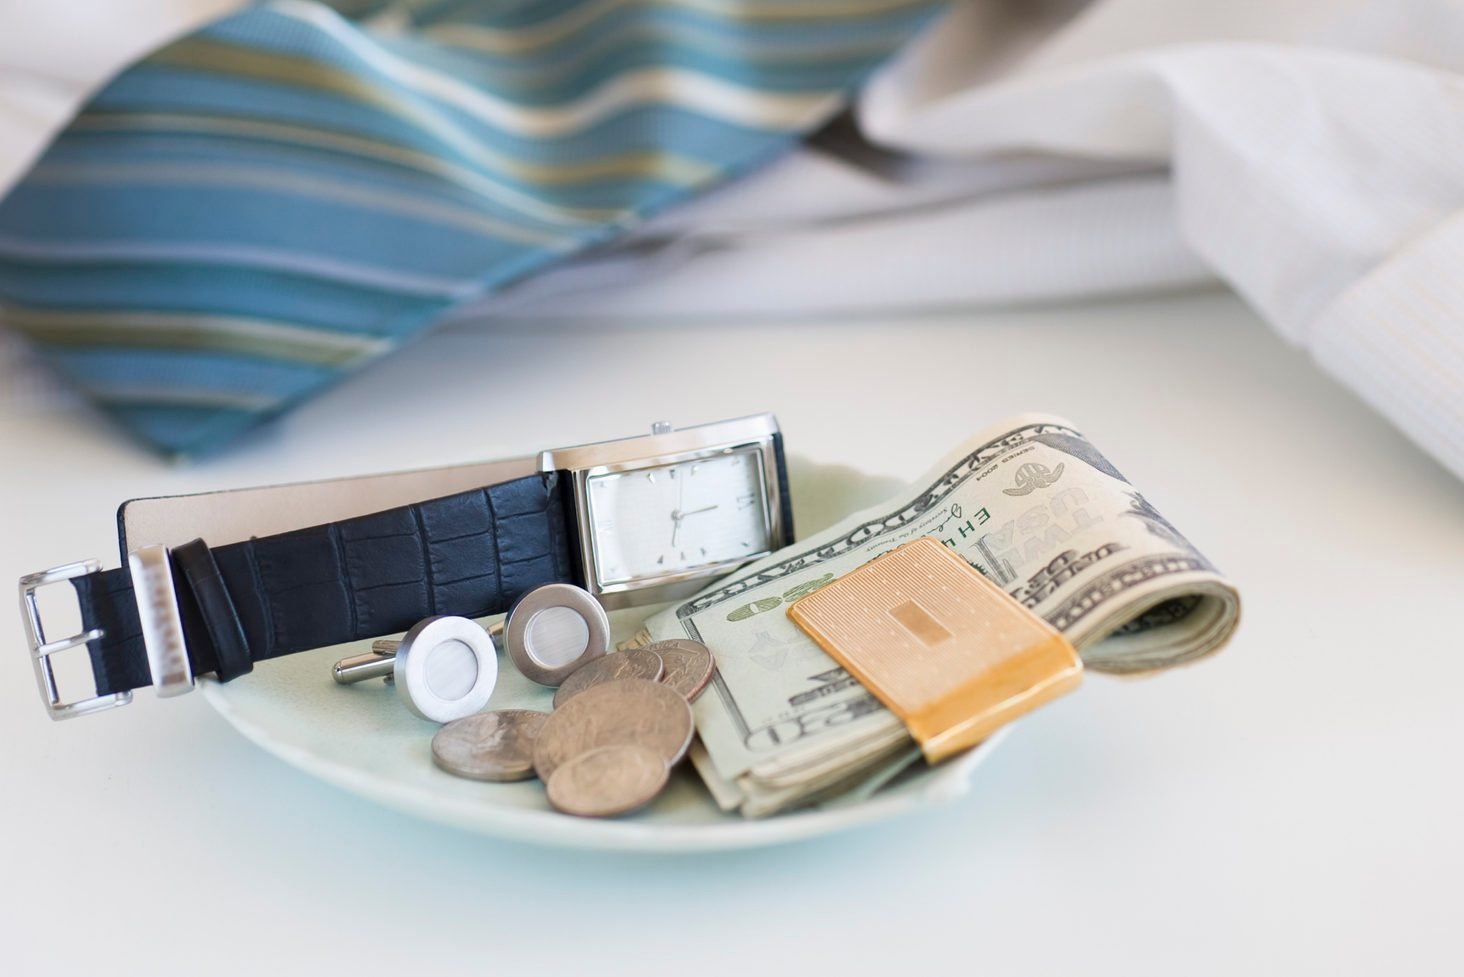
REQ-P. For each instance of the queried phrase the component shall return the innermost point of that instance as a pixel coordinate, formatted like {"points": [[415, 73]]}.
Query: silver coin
{"points": [[497, 746], [607, 781], [627, 711], [635, 663], [689, 666]]}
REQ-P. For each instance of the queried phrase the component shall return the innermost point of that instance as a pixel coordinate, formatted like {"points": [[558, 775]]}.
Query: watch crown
{"points": [[661, 427]]}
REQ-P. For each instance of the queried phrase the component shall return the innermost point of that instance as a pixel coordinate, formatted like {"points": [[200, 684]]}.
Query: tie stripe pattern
{"points": [[272, 202]]}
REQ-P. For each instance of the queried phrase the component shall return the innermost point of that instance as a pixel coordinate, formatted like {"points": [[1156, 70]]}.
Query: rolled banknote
{"points": [[1034, 506]]}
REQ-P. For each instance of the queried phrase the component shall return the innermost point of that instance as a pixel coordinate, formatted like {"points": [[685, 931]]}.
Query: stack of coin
{"points": [[620, 723]]}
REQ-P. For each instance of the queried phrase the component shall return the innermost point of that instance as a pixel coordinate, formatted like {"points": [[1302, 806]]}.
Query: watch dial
{"points": [[657, 521]]}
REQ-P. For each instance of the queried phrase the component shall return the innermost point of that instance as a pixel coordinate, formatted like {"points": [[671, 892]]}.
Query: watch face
{"points": [[652, 522]]}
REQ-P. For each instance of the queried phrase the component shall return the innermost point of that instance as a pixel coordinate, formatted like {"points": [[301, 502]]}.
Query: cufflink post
{"points": [[362, 668]]}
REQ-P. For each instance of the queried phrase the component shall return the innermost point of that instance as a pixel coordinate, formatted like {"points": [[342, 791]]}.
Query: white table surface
{"points": [[1291, 806]]}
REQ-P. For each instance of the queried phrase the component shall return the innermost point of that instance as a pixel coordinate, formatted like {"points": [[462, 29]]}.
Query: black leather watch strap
{"points": [[785, 497], [470, 554]]}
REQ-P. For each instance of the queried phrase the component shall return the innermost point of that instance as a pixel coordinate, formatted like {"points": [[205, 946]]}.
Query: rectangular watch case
{"points": [[585, 462]]}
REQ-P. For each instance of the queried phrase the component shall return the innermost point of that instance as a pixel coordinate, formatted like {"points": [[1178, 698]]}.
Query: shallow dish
{"points": [[363, 739]]}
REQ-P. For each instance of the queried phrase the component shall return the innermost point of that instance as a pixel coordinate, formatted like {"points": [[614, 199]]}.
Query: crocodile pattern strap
{"points": [[470, 554]]}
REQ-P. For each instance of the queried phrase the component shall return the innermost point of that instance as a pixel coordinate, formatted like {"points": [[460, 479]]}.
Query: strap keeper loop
{"points": [[216, 608]]}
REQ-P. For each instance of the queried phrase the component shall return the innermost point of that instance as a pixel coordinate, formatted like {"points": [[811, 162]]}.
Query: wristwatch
{"points": [[212, 583]]}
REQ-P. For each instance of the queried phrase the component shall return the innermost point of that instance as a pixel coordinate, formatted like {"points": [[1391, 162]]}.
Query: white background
{"points": [[1291, 806]]}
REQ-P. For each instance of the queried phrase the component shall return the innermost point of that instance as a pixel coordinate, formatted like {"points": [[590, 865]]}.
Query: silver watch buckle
{"points": [[41, 650]]}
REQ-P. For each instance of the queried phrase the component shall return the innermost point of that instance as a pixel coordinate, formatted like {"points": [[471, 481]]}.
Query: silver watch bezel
{"points": [[584, 462]]}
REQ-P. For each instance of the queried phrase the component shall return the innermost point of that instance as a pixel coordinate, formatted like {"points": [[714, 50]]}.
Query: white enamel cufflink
{"points": [[445, 668]]}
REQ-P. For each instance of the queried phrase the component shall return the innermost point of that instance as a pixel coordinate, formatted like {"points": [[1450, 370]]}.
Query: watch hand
{"points": [[678, 515]]}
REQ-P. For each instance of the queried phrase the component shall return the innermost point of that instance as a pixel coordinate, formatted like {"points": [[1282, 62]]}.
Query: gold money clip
{"points": [[945, 649]]}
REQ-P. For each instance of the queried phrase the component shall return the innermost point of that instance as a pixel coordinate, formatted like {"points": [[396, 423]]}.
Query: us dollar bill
{"points": [[1034, 506]]}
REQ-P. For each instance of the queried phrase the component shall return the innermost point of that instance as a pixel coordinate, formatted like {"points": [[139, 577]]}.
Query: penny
{"points": [[607, 781], [636, 663], [631, 711], [496, 746], [689, 666]]}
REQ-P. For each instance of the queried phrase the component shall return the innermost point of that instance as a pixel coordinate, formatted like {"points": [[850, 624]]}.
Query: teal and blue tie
{"points": [[272, 202]]}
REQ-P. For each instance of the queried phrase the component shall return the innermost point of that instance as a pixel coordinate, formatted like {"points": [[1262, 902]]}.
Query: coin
{"points": [[607, 781], [689, 666], [495, 746], [627, 711], [636, 663]]}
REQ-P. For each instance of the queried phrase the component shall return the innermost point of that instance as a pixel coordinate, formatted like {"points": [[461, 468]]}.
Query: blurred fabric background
{"points": [[1308, 154]]}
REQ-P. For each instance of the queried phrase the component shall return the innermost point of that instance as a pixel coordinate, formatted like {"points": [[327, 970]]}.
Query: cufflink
{"points": [[553, 630], [444, 668]]}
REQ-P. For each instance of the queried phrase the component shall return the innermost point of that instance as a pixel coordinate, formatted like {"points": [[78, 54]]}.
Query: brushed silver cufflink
{"points": [[553, 630]]}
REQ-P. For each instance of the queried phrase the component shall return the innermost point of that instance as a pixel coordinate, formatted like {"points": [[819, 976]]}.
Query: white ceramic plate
{"points": [[363, 739]]}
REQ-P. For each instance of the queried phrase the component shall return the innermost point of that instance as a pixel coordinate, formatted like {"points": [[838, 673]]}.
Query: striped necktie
{"points": [[272, 202]]}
